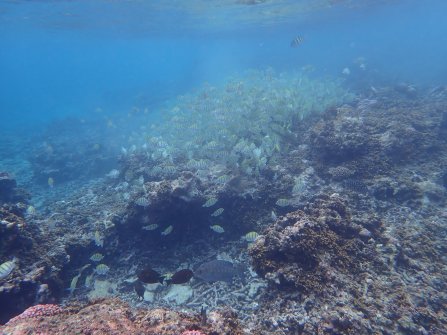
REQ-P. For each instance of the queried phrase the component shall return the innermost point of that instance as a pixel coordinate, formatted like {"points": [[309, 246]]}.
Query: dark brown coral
{"points": [[308, 249]]}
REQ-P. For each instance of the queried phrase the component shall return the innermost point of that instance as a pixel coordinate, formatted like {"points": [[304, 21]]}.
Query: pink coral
{"points": [[192, 332], [38, 311]]}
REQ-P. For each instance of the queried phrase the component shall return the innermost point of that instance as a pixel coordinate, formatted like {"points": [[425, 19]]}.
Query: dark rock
{"points": [[9, 191]]}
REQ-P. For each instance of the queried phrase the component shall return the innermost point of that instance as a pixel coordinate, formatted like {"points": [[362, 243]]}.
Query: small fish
{"points": [[283, 202], [218, 229], [167, 231], [201, 164], [73, 283], [50, 182], [203, 316], [88, 281], [180, 277], [102, 269], [97, 257], [31, 211], [274, 216], [167, 276], [299, 186], [99, 241], [210, 202], [169, 169], [217, 212], [297, 41], [223, 179], [251, 236], [143, 202], [150, 227], [150, 276], [139, 289], [6, 268]]}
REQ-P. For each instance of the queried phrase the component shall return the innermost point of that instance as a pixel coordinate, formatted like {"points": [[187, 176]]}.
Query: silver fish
{"points": [[210, 202], [6, 268], [150, 227], [283, 202], [251, 236], [223, 179], [99, 240], [217, 212], [167, 231], [97, 257], [102, 269], [217, 229], [143, 202]]}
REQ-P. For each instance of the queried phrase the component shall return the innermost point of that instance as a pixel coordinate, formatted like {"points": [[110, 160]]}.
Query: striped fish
{"points": [[251, 236], [102, 269], [6, 268], [218, 229], [96, 257], [297, 41], [223, 179], [217, 212], [143, 202]]}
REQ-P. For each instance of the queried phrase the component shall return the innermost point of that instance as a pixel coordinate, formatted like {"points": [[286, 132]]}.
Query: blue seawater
{"points": [[60, 58], [103, 100]]}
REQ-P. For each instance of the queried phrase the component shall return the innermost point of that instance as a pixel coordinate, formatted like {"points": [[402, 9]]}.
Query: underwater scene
{"points": [[227, 167]]}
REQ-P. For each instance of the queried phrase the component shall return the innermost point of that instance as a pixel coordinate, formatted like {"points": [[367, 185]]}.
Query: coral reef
{"points": [[307, 251], [112, 316], [347, 203], [34, 278]]}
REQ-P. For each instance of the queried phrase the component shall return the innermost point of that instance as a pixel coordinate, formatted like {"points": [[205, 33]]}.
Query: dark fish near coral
{"points": [[203, 315], [218, 270], [149, 276], [181, 277], [297, 41], [139, 289]]}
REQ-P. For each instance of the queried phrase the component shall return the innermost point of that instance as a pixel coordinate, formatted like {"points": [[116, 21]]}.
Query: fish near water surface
{"points": [[297, 41]]}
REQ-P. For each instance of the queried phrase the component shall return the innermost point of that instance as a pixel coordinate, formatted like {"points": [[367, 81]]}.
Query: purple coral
{"points": [[38, 311], [192, 332]]}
